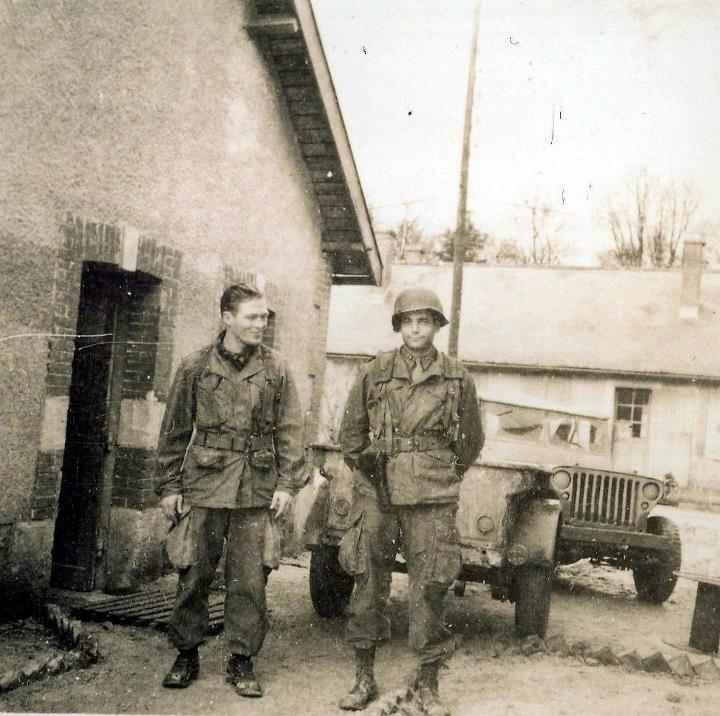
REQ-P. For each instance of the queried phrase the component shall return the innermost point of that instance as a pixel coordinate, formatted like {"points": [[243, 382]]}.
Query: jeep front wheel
{"points": [[532, 590], [655, 581], [330, 587]]}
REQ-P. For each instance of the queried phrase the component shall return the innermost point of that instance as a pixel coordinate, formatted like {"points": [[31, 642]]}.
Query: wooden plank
{"points": [[341, 224], [274, 26], [302, 94], [305, 106], [269, 7], [309, 121], [705, 629], [291, 62], [287, 46], [332, 200], [322, 175], [348, 237], [318, 149], [296, 78], [336, 212], [343, 247], [315, 135], [328, 186]]}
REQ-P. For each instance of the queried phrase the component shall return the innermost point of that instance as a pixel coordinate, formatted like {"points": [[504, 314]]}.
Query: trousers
{"points": [[246, 622], [427, 537]]}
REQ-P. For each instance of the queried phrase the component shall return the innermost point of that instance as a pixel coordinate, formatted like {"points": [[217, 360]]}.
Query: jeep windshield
{"points": [[521, 432]]}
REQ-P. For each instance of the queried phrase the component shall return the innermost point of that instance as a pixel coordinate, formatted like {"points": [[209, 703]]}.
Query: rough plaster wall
{"points": [[24, 308], [162, 115]]}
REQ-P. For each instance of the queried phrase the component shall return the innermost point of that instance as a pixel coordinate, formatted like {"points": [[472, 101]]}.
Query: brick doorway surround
{"points": [[146, 375]]}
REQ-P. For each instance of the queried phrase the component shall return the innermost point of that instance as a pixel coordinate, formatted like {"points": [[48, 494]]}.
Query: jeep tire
{"points": [[655, 581], [532, 589], [330, 587]]}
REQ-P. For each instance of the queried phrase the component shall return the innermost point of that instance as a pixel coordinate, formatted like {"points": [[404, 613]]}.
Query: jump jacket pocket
{"points": [[214, 401], [208, 457], [353, 555]]}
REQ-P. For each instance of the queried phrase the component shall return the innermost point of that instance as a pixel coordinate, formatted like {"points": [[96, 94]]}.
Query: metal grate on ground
{"points": [[148, 608]]}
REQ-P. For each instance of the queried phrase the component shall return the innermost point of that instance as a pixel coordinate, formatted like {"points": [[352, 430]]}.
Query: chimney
{"points": [[692, 268]]}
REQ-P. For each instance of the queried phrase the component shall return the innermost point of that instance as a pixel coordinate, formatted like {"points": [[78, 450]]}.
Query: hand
{"points": [[280, 502], [172, 506], [319, 480]]}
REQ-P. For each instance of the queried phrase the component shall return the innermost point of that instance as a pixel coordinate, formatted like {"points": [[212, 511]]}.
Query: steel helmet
{"points": [[417, 299]]}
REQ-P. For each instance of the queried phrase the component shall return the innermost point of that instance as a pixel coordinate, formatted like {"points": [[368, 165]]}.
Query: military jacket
{"points": [[230, 437], [430, 426]]}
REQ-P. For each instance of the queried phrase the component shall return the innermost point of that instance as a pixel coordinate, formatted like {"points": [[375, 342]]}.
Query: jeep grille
{"points": [[604, 498]]}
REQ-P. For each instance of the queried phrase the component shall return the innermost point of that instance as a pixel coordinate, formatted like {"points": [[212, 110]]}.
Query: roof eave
{"points": [[347, 237], [567, 370]]}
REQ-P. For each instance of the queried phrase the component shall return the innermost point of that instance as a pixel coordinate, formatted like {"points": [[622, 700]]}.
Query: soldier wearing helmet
{"points": [[410, 430]]}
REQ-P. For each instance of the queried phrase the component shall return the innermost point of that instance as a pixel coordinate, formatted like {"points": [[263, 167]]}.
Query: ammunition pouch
{"points": [[372, 463], [259, 449]]}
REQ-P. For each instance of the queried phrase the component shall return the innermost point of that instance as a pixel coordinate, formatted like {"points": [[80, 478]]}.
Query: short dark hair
{"points": [[234, 295]]}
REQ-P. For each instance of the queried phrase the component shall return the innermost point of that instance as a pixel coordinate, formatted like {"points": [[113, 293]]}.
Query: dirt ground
{"points": [[305, 666]]}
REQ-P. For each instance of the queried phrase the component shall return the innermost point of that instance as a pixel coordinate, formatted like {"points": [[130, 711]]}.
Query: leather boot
{"points": [[365, 689], [426, 685], [241, 674], [184, 671]]}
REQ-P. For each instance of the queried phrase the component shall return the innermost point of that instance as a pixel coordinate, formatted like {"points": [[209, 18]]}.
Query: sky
{"points": [[573, 99]]}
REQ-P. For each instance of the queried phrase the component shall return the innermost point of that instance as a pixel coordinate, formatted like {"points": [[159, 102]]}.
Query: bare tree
{"points": [[408, 234], [542, 247], [649, 231]]}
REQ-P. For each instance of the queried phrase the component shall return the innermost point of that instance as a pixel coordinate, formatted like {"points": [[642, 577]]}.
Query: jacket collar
{"points": [[403, 369], [218, 365]]}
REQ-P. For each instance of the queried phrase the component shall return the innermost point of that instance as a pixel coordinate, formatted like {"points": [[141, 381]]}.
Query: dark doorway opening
{"points": [[108, 297]]}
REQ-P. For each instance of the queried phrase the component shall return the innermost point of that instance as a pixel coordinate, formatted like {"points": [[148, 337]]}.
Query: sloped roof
{"points": [[614, 321], [288, 33]]}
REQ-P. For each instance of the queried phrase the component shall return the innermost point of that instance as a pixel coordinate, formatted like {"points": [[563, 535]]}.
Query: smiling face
{"points": [[418, 329], [247, 325]]}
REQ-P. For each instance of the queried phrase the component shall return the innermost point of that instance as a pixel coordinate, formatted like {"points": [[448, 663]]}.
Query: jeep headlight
{"points": [[561, 480], [651, 491]]}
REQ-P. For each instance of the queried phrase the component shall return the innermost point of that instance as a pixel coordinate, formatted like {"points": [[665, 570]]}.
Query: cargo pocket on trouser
{"points": [[444, 561], [353, 554]]}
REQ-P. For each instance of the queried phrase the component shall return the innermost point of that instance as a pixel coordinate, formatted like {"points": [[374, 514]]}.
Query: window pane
{"points": [[636, 430], [642, 397], [623, 412], [624, 395], [637, 414]]}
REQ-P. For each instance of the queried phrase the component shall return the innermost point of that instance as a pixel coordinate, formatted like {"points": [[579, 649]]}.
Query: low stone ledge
{"points": [[82, 650]]}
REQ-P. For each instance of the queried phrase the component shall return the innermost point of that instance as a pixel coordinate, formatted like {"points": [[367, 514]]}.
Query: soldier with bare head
{"points": [[230, 457], [411, 429]]}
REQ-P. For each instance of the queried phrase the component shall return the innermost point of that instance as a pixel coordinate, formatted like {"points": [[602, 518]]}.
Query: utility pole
{"points": [[461, 230]]}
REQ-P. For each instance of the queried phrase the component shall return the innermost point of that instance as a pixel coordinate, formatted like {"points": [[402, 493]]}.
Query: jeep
{"points": [[507, 520], [606, 515]]}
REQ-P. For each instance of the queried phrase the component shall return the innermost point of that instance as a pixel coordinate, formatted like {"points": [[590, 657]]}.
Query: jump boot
{"points": [[426, 685], [241, 674], [184, 671], [365, 689]]}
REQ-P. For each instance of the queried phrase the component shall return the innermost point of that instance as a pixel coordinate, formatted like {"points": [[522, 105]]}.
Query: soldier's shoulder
{"points": [[276, 359], [196, 358], [453, 367], [381, 365]]}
